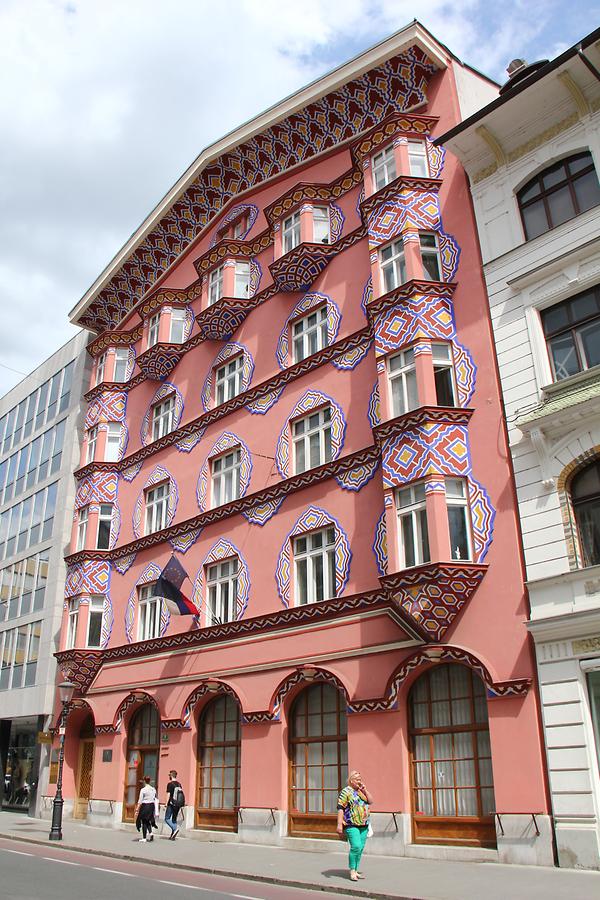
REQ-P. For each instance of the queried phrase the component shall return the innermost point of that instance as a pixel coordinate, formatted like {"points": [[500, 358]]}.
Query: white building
{"points": [[532, 157], [40, 427]]}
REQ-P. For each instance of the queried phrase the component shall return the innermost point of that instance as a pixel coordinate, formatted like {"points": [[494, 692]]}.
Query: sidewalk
{"points": [[386, 877]]}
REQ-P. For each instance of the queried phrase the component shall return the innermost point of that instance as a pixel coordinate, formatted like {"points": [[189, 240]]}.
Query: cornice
{"points": [[278, 381], [396, 124], [409, 289], [114, 339], [423, 415], [397, 186], [231, 248], [310, 191], [279, 491]]}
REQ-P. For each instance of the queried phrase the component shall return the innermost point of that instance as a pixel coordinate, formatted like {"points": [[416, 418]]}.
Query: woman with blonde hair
{"points": [[353, 820]]}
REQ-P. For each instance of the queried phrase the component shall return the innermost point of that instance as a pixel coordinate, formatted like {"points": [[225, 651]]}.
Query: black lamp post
{"points": [[65, 691]]}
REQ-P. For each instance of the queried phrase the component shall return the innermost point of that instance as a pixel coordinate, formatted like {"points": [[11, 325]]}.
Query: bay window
{"points": [[459, 523], [443, 373], [104, 526], [95, 615], [291, 236], [321, 232], [412, 526], [121, 364], [393, 265], [384, 168], [72, 620], [92, 438], [177, 326], [215, 285], [417, 159], [82, 525], [403, 382], [153, 326], [100, 368], [242, 280], [112, 450], [430, 256]]}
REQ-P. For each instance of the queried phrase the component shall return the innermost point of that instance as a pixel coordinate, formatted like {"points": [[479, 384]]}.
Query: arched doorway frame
{"points": [[220, 755], [148, 758]]}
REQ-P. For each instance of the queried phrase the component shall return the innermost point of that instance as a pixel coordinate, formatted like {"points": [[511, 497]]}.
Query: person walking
{"points": [[146, 809], [175, 802], [353, 820]]}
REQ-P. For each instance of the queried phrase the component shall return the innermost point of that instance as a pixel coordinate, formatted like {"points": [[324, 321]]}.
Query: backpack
{"points": [[178, 797]]}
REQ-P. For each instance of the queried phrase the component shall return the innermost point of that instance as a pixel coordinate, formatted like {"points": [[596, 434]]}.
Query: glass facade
{"points": [[19, 650], [28, 522], [20, 764], [23, 586], [38, 409]]}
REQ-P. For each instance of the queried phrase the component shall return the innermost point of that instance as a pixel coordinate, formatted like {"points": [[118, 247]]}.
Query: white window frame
{"points": [[221, 591], [310, 333], [112, 447], [411, 510], [418, 161], [291, 233], [177, 326], [105, 514], [72, 620], [153, 329], [163, 417], [431, 253], [149, 613], [457, 498], [241, 285], [321, 222], [215, 285], [92, 440], [228, 379], [311, 437], [82, 525], [101, 368], [402, 378], [318, 562], [395, 263], [156, 507], [225, 477], [238, 228], [443, 361], [383, 167], [95, 609], [121, 358]]}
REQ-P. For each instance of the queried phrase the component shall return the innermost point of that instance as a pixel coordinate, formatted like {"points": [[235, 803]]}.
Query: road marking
{"points": [[113, 871], [65, 862], [246, 897], [18, 852], [192, 887]]}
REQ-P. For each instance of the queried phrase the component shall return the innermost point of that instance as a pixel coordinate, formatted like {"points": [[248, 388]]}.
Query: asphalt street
{"points": [[30, 872]]}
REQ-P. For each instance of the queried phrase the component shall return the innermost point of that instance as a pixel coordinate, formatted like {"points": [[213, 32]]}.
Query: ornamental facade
{"points": [[294, 393]]}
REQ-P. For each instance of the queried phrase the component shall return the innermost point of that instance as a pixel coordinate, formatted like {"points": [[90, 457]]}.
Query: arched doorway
{"points": [[218, 776], [451, 766], [85, 767], [318, 760], [143, 735]]}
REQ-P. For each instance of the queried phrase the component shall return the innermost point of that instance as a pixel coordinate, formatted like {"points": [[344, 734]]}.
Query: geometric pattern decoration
{"points": [[367, 295], [123, 564], [465, 373], [131, 472], [150, 574], [435, 158], [108, 620], [262, 512], [414, 209], [158, 361], [224, 550], [316, 675], [165, 390], [351, 358], [418, 316], [131, 700], [250, 213], [297, 270], [264, 404], [336, 222], [227, 352], [304, 306], [313, 519], [219, 321], [483, 516], [108, 407], [200, 691], [80, 666], [227, 441], [92, 576], [374, 408], [255, 277], [187, 444], [184, 542], [449, 255], [426, 449], [99, 487], [350, 109], [380, 546], [158, 475], [355, 479], [434, 594], [311, 400], [115, 526]]}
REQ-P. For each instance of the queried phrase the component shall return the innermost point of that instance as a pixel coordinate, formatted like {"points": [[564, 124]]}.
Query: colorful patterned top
{"points": [[355, 807]]}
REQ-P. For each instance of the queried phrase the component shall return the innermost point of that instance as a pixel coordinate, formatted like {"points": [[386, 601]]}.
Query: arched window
{"points": [[585, 495], [319, 759], [451, 777], [143, 735], [218, 781], [560, 192]]}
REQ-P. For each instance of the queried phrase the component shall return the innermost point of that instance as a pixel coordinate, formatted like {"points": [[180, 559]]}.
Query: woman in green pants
{"points": [[353, 820]]}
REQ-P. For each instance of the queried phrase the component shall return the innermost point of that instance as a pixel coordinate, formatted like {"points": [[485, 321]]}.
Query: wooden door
{"points": [[142, 756], [218, 776], [85, 774]]}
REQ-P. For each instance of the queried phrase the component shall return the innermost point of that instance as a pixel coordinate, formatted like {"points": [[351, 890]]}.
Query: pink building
{"points": [[295, 393]]}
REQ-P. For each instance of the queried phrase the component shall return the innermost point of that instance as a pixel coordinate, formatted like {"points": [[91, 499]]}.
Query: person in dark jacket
{"points": [[175, 802]]}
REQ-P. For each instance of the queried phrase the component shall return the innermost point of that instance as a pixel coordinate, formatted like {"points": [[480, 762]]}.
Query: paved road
{"points": [[29, 872]]}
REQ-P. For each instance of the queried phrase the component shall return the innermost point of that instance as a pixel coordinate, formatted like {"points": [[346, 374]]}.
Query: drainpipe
{"points": [[590, 65]]}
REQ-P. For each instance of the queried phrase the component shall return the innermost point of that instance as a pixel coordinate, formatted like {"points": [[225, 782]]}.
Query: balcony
{"points": [[298, 269]]}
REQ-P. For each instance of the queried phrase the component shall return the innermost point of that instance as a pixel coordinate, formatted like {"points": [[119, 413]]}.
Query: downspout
{"points": [[590, 65]]}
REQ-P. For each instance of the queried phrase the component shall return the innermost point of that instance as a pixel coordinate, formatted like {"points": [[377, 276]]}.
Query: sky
{"points": [[104, 104]]}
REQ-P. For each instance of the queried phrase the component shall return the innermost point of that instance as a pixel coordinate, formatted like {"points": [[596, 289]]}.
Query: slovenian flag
{"points": [[168, 587]]}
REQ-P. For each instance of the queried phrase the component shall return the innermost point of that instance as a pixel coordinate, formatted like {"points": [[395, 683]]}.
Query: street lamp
{"points": [[65, 692]]}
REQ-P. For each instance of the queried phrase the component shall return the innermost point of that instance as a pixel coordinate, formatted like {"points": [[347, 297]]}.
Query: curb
{"points": [[206, 870]]}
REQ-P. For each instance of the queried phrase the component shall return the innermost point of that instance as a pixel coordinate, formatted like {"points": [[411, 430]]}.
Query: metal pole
{"points": [[57, 806]]}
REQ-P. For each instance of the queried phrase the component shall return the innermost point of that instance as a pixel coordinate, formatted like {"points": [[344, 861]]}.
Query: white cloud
{"points": [[104, 104]]}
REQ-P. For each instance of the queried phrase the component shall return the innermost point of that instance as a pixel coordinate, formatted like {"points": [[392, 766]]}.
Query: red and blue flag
{"points": [[168, 586]]}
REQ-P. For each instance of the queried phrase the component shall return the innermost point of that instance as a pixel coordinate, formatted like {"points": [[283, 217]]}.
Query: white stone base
{"points": [[521, 845], [578, 845]]}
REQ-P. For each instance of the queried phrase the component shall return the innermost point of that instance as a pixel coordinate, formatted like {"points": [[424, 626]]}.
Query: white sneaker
{"points": [[141, 840]]}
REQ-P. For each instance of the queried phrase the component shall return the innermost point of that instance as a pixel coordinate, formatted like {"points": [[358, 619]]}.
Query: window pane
{"points": [[587, 191], [561, 206], [534, 220], [459, 542], [564, 356], [590, 339]]}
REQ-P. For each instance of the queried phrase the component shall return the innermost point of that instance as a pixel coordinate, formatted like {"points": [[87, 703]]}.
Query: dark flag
{"points": [[168, 587]]}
